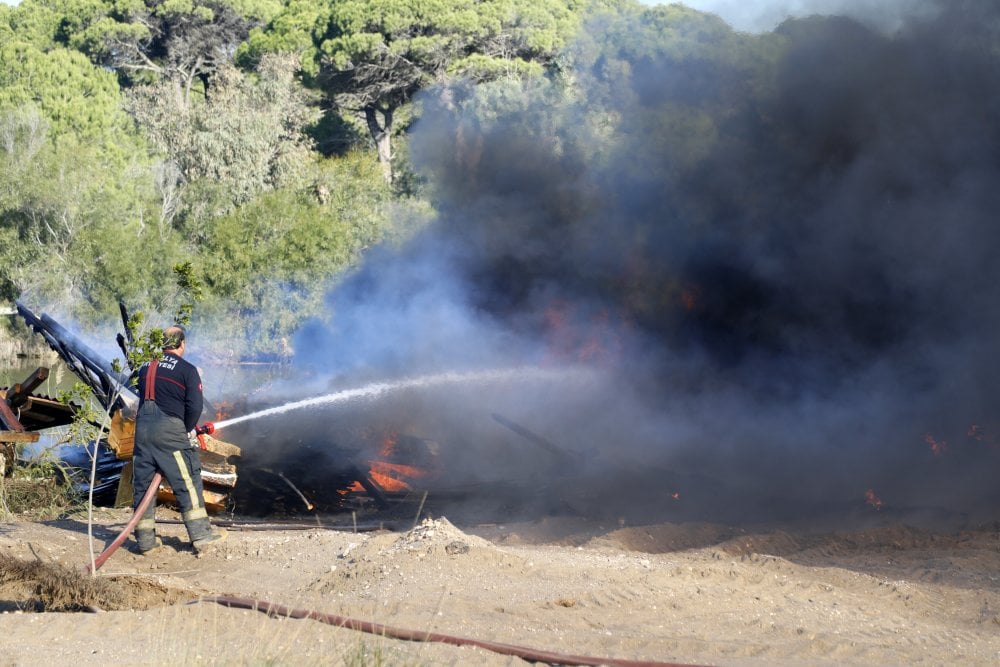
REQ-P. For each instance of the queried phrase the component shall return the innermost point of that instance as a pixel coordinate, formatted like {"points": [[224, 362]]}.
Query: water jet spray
{"points": [[377, 389]]}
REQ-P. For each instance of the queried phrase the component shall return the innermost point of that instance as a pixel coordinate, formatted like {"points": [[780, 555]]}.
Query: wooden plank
{"points": [[121, 436], [536, 439], [18, 436], [214, 502], [221, 447]]}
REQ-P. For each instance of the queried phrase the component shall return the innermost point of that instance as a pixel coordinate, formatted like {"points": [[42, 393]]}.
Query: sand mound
{"points": [[433, 548], [434, 537]]}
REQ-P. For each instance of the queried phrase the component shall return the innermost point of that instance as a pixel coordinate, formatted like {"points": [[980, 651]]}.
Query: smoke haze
{"points": [[779, 268], [885, 15]]}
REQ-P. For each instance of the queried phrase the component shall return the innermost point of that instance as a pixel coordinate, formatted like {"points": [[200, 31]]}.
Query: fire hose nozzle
{"points": [[208, 428]]}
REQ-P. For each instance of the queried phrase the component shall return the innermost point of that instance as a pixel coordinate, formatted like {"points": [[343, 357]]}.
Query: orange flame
{"points": [[690, 298], [397, 462], [938, 447], [572, 335], [872, 499], [391, 477], [983, 436], [223, 410], [388, 445]]}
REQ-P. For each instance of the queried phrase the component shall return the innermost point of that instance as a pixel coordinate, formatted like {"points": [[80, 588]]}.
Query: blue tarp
{"points": [[76, 460]]}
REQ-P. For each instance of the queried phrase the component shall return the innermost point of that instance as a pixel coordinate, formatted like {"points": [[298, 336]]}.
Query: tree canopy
{"points": [[371, 58]]}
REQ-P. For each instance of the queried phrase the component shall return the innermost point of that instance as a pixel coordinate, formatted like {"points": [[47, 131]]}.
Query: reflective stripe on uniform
{"points": [[188, 483], [196, 513], [146, 524]]}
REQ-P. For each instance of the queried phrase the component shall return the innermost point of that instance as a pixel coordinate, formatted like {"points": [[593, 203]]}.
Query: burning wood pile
{"points": [[298, 465], [314, 477], [304, 461]]}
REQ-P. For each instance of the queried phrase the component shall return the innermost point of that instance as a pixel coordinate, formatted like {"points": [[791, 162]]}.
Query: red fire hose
{"points": [[531, 655], [129, 527]]}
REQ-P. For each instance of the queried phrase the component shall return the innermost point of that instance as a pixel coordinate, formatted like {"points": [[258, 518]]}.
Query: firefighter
{"points": [[170, 404]]}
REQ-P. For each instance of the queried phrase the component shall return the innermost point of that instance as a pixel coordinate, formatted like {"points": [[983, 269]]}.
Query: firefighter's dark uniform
{"points": [[170, 405]]}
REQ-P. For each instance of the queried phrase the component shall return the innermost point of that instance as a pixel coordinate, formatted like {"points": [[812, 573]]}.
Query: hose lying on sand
{"points": [[277, 610], [529, 654], [129, 527]]}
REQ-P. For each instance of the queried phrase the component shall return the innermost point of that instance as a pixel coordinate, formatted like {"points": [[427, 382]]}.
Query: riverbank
{"points": [[18, 343]]}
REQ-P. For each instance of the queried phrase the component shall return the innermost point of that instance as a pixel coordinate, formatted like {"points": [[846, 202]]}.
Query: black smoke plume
{"points": [[780, 252]]}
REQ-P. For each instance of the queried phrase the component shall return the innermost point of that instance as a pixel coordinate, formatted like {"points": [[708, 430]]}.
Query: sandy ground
{"points": [[883, 591]]}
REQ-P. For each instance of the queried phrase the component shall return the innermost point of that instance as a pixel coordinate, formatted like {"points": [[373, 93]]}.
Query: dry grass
{"points": [[10, 349], [212, 634], [35, 493]]}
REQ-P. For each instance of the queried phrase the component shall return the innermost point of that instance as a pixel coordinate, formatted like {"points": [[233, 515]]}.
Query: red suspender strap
{"points": [[151, 380]]}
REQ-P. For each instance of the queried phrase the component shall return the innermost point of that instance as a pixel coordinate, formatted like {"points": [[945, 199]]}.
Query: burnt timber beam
{"points": [[20, 392], [125, 340], [110, 387], [373, 489], [563, 456]]}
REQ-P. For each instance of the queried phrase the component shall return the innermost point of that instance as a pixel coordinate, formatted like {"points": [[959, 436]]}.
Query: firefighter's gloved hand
{"points": [[193, 439]]}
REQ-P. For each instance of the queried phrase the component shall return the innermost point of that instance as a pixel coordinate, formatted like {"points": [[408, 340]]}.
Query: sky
{"points": [[764, 16]]}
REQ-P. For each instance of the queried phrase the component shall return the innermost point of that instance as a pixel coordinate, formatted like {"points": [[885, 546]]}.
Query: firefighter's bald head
{"points": [[173, 339]]}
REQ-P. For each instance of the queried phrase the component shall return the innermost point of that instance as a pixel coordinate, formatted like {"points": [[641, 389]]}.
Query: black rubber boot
{"points": [[202, 535], [206, 544], [145, 536]]}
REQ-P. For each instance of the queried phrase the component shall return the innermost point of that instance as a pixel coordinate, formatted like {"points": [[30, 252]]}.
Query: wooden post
{"points": [[8, 448], [8, 418], [124, 497]]}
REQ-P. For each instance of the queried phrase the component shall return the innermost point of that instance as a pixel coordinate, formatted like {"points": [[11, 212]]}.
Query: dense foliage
{"points": [[130, 141]]}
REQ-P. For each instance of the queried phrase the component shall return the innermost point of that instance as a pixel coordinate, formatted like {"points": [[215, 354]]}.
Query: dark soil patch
{"points": [[36, 586]]}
